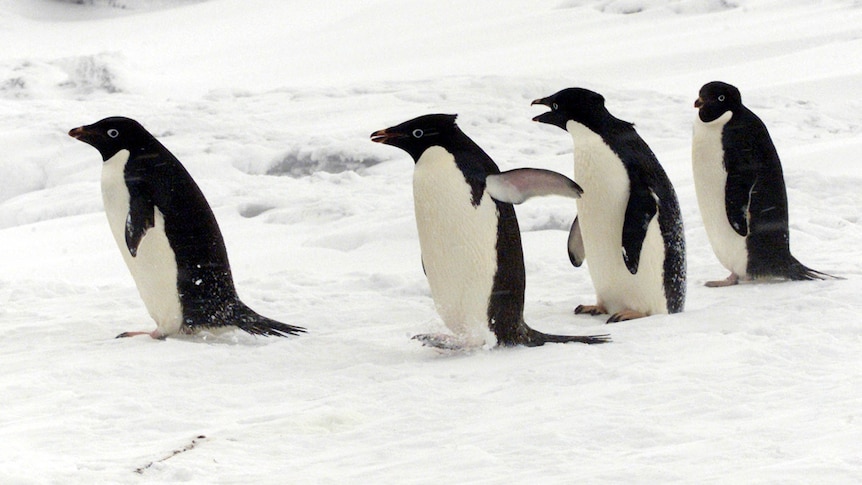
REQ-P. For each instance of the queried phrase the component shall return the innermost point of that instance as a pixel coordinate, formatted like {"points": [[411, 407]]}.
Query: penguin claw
{"points": [[625, 315], [155, 334], [731, 280], [590, 310]]}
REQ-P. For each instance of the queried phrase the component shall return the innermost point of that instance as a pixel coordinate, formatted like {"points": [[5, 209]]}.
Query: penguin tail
{"points": [[250, 321], [799, 272], [535, 338]]}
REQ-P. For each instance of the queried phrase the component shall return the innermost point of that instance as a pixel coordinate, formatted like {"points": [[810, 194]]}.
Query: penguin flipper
{"points": [[577, 253], [516, 186], [641, 208], [737, 199], [141, 217]]}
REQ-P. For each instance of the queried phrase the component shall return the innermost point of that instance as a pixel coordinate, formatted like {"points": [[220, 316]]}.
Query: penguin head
{"points": [[574, 104], [417, 135], [111, 135], [715, 99]]}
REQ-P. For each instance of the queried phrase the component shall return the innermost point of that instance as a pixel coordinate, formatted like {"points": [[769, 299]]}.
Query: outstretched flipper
{"points": [[516, 186], [641, 208], [577, 253]]}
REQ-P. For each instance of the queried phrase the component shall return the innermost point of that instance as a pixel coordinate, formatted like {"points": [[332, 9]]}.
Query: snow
{"points": [[270, 106]]}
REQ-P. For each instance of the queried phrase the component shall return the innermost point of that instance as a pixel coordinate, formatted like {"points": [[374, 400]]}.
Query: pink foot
{"points": [[730, 281], [154, 334], [624, 315], [590, 310]]}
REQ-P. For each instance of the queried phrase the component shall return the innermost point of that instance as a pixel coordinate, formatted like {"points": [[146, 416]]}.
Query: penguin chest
{"points": [[710, 180], [601, 214], [154, 269], [458, 242]]}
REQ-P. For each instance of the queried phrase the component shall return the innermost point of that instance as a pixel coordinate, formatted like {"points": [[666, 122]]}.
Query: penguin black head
{"points": [[111, 135], [574, 104], [715, 99], [417, 135]]}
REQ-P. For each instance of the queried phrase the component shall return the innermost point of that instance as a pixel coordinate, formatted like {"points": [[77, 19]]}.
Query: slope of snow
{"points": [[270, 105]]}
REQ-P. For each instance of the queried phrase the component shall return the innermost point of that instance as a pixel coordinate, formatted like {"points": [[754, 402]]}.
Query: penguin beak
{"points": [[698, 102], [542, 118], [550, 117], [85, 134], [542, 102], [78, 133], [385, 136]]}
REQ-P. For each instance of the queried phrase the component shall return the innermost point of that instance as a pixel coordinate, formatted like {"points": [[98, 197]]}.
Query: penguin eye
{"points": [[417, 133], [555, 106], [721, 97], [113, 133]]}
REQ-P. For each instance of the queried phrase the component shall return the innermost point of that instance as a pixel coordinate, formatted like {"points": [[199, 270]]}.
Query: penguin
{"points": [[629, 224], [469, 235], [740, 190], [168, 236]]}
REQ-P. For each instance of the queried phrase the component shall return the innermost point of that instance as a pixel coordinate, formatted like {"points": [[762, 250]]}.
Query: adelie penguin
{"points": [[469, 235], [740, 190], [629, 228], [168, 235]]}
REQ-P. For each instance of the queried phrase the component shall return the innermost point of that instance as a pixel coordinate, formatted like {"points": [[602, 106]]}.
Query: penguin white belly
{"points": [[154, 269], [710, 179], [601, 212], [458, 243]]}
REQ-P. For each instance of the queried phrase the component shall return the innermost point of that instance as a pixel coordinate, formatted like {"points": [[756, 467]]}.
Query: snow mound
{"points": [[80, 75], [683, 7]]}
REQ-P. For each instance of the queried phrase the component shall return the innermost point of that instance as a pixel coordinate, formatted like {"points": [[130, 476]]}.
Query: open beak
{"points": [[542, 118]]}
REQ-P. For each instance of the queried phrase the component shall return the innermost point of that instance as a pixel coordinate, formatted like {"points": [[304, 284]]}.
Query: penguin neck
{"points": [[715, 124]]}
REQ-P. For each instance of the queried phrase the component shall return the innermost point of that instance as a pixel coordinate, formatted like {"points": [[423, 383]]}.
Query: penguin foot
{"points": [[154, 334], [590, 310], [731, 280], [625, 315], [440, 341]]}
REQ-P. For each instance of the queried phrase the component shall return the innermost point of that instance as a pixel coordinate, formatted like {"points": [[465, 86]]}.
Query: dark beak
{"points": [[385, 136], [544, 117], [78, 133], [542, 101], [550, 117], [698, 102]]}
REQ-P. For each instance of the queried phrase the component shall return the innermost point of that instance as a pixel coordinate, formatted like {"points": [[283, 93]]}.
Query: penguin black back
{"points": [[504, 303], [755, 192], [157, 183], [646, 177]]}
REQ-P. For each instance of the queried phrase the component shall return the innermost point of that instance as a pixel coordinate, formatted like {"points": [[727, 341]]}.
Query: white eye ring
{"points": [[555, 106], [721, 97], [417, 133], [113, 133]]}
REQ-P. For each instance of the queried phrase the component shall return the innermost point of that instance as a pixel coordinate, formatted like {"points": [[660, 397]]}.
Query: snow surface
{"points": [[270, 105]]}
